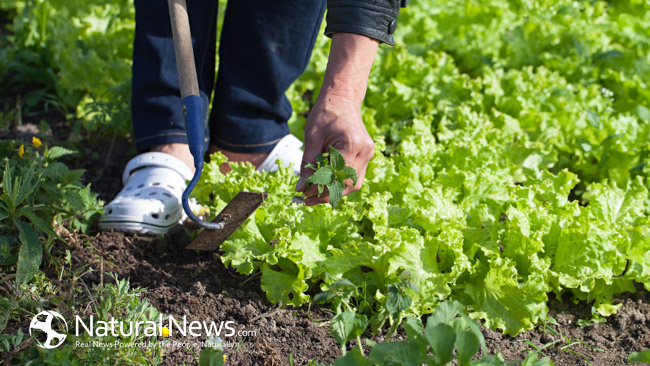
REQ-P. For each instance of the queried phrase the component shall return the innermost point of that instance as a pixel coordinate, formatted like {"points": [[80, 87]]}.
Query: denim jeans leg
{"points": [[265, 46], [156, 103]]}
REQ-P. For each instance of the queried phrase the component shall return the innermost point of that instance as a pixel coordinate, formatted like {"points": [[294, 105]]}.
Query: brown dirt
{"points": [[182, 282], [599, 344]]}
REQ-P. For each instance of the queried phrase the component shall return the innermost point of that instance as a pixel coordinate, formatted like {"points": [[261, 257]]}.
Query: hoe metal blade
{"points": [[232, 216]]}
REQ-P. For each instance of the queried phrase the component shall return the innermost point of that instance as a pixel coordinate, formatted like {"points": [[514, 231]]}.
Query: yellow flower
{"points": [[36, 141], [165, 332], [224, 358], [21, 151]]}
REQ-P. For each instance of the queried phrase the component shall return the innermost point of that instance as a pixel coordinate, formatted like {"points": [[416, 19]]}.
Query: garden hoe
{"points": [[244, 203]]}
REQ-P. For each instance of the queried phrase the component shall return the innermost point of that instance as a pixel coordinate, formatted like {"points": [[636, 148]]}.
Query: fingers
{"points": [[309, 157]]}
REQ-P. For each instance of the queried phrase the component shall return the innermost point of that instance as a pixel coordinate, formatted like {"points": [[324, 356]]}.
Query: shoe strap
{"points": [[156, 159]]}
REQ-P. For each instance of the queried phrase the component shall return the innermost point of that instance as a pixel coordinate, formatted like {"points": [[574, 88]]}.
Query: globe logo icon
{"points": [[49, 329]]}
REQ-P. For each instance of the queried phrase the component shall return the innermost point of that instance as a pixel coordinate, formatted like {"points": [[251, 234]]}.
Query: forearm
{"points": [[348, 68]]}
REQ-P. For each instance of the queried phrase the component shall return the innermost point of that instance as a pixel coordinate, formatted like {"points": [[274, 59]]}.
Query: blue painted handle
{"points": [[193, 112]]}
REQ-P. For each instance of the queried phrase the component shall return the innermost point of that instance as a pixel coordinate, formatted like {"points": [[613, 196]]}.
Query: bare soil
{"points": [[599, 344], [186, 283]]}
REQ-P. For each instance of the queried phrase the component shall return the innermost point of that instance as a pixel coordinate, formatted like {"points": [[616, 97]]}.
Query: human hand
{"points": [[335, 121]]}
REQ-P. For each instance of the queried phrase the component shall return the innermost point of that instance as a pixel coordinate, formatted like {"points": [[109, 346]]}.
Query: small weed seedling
{"points": [[347, 323], [332, 172], [593, 319], [570, 342]]}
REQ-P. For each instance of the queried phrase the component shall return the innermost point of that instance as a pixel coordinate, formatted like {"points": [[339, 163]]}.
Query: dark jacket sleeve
{"points": [[373, 18]]}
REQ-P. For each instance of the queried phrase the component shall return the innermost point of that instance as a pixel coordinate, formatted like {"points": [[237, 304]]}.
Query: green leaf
{"points": [[344, 284], [19, 338], [396, 302], [9, 246], [444, 313], [56, 171], [323, 297], [643, 356], [74, 199], [322, 176], [321, 159], [413, 327], [353, 358], [398, 354], [593, 118], [56, 152], [24, 186], [466, 346], [336, 159], [643, 113], [39, 223], [441, 338], [477, 332], [490, 360], [350, 173], [30, 254], [336, 192], [73, 175], [359, 326], [211, 357], [283, 285], [347, 325], [533, 360], [3, 321], [341, 326]]}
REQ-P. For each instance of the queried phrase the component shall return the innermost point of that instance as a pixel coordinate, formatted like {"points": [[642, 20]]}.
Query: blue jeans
{"points": [[265, 46]]}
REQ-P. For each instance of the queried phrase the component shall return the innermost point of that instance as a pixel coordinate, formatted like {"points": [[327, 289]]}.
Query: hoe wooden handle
{"points": [[183, 48]]}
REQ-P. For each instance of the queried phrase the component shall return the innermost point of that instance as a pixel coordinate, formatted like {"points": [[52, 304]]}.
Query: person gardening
{"points": [[265, 46]]}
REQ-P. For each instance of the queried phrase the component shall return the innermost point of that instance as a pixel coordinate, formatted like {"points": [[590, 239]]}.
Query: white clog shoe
{"points": [[150, 202]]}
